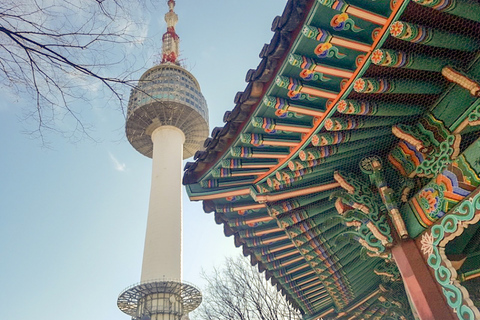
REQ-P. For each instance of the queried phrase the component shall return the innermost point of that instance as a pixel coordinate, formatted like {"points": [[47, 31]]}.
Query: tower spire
{"points": [[170, 39]]}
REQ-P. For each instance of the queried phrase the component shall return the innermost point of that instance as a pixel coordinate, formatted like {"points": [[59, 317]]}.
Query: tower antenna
{"points": [[170, 39]]}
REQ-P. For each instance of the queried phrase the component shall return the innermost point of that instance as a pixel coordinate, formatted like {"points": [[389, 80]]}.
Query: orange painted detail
{"points": [[257, 166], [334, 71], [296, 193], [314, 283], [298, 268], [325, 313], [319, 295], [419, 209], [279, 143], [264, 232], [241, 192], [279, 238], [473, 276], [263, 219], [364, 300], [303, 275], [354, 45], [318, 93], [397, 165], [244, 174], [268, 156], [292, 129], [453, 196], [250, 207], [366, 15], [406, 150], [287, 246], [307, 112], [334, 101], [313, 280], [287, 254]]}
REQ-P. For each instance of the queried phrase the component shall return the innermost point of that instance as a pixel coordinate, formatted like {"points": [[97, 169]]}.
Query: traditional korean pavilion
{"points": [[349, 168]]}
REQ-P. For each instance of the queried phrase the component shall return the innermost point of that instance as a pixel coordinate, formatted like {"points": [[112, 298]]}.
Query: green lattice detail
{"points": [[287, 83], [436, 147], [388, 271], [474, 116], [441, 5], [407, 185], [395, 300], [432, 37], [415, 136], [433, 245], [362, 209], [463, 8], [310, 32], [440, 158]]}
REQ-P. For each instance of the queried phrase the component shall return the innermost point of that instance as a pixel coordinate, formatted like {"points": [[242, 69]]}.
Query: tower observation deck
{"points": [[167, 95], [167, 120]]}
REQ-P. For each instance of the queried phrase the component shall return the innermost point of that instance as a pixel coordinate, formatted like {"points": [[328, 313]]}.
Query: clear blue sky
{"points": [[72, 217]]}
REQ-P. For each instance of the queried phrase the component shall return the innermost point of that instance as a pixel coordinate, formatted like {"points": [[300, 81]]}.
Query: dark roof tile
{"points": [[256, 79]]}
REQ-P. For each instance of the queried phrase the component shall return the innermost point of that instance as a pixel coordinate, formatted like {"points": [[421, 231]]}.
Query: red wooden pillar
{"points": [[424, 291]]}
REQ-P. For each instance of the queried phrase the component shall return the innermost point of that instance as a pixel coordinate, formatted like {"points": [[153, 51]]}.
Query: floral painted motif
{"points": [[310, 75], [410, 32], [342, 22], [359, 85], [357, 107], [433, 244], [281, 113], [327, 50], [377, 56], [317, 153], [370, 85], [396, 28], [444, 192], [329, 138], [427, 243], [431, 199], [337, 124], [391, 58]]}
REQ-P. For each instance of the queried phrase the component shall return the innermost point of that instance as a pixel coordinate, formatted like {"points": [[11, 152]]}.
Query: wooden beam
{"points": [[424, 292]]}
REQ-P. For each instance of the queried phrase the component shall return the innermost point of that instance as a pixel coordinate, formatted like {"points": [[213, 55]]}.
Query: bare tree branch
{"points": [[61, 51], [238, 291]]}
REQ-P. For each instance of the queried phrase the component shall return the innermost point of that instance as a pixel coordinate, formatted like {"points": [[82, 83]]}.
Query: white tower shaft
{"points": [[162, 256], [166, 107]]}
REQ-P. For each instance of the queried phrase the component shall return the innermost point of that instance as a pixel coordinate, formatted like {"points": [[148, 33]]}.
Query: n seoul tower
{"points": [[167, 120]]}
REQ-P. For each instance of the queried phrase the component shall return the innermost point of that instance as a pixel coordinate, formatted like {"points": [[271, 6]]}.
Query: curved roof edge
{"points": [[258, 80]]}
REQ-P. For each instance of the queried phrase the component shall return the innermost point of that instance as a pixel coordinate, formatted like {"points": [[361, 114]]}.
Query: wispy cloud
{"points": [[117, 164]]}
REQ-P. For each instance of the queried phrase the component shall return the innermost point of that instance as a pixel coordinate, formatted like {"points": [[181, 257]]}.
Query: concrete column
{"points": [[162, 256]]}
